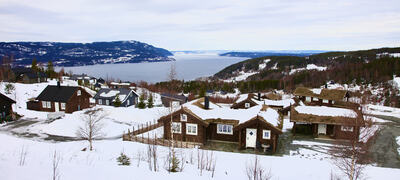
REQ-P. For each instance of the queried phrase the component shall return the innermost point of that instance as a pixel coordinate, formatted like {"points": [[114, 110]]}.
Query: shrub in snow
{"points": [[124, 160], [150, 102], [117, 102], [9, 88], [141, 104]]}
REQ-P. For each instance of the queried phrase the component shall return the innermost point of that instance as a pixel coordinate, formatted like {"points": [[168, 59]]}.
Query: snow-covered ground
{"points": [[309, 67], [101, 163]]}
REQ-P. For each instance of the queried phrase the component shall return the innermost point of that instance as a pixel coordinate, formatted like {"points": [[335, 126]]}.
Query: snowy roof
{"points": [[326, 111], [284, 103], [241, 115], [120, 84], [106, 93]]}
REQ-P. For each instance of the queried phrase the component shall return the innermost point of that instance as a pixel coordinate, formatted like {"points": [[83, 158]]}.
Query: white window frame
{"points": [[333, 102], [269, 134], [79, 93], [347, 128], [325, 101], [225, 129], [308, 99], [107, 102], [246, 105], [62, 106], [49, 104], [44, 104], [176, 124], [191, 129], [100, 101], [315, 99], [127, 102], [184, 117]]}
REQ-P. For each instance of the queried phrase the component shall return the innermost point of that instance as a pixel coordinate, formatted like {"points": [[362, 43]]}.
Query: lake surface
{"points": [[188, 67]]}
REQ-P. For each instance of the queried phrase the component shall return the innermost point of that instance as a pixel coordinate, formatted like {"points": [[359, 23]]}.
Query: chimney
{"points": [[206, 102], [58, 84], [259, 96]]}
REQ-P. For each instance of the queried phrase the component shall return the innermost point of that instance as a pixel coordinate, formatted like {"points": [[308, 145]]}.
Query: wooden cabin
{"points": [[5, 107], [28, 76], [246, 101], [327, 122], [60, 98], [322, 97], [196, 121], [175, 100]]}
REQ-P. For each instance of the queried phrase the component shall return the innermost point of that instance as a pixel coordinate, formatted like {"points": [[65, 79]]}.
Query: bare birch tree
{"points": [[351, 156], [92, 126], [255, 171]]}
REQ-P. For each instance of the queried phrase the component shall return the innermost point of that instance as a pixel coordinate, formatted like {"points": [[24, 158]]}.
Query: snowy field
{"points": [[101, 163]]}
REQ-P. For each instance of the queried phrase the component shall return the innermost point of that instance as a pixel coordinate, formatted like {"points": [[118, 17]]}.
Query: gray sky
{"points": [[207, 25]]}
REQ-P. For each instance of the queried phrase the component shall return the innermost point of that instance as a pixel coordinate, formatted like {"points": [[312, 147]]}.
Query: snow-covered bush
{"points": [[124, 160]]}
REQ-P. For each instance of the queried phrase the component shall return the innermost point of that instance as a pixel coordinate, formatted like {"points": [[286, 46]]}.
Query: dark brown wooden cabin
{"points": [[334, 127], [167, 99], [187, 126], [5, 107], [60, 98], [245, 104], [208, 130], [266, 134], [327, 97]]}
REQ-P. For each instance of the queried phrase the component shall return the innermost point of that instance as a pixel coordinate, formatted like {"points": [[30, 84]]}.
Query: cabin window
{"points": [[183, 117], [246, 105], [62, 106], [100, 101], [333, 102], [315, 99], [347, 128], [266, 134], [176, 127], [79, 92], [191, 129], [325, 101], [44, 104], [127, 102], [224, 129], [48, 104], [308, 99], [107, 102]]}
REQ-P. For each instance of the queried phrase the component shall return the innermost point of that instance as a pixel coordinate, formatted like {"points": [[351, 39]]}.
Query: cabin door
{"points": [[56, 107], [251, 137], [322, 129]]}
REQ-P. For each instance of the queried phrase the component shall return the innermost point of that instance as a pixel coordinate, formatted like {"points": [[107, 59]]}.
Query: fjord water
{"points": [[188, 66]]}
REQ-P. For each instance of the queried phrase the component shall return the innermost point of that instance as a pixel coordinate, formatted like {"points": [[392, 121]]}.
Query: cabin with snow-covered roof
{"points": [[126, 97], [326, 97], [202, 121], [328, 122]]}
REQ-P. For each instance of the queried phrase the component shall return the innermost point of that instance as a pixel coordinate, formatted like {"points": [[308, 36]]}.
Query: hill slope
{"points": [[74, 54]]}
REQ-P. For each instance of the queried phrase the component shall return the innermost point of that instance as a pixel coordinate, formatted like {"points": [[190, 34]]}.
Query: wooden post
{"points": [[240, 139]]}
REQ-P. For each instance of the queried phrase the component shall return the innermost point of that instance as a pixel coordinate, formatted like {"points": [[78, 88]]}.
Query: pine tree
{"points": [[117, 102], [34, 66], [150, 102], [50, 70], [141, 104]]}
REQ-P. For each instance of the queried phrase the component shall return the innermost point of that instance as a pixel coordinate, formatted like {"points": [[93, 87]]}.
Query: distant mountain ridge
{"points": [[78, 54], [256, 54]]}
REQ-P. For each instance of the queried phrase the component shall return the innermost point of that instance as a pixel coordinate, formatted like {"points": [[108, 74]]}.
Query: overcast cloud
{"points": [[207, 25]]}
